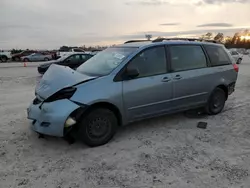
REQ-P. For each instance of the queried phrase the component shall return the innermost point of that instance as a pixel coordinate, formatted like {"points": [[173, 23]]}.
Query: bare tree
{"points": [[219, 37], [148, 36], [207, 36]]}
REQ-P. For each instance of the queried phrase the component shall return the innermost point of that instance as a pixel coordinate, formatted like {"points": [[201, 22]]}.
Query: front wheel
{"points": [[4, 59], [46, 59], [98, 127], [239, 61], [216, 102], [26, 60]]}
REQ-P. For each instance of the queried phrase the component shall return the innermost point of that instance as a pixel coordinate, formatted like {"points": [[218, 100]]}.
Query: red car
{"points": [[17, 57]]}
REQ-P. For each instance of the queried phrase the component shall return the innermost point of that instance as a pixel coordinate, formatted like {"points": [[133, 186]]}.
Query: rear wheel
{"points": [[4, 58], [46, 59], [26, 60], [98, 127], [216, 102]]}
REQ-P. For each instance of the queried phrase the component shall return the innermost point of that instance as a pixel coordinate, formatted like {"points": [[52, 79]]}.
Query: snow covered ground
{"points": [[163, 152]]}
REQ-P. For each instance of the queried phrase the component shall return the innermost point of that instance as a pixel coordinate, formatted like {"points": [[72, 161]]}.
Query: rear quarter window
{"points": [[217, 55]]}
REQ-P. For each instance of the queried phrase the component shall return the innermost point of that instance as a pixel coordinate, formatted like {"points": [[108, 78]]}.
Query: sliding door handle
{"points": [[166, 79], [177, 77]]}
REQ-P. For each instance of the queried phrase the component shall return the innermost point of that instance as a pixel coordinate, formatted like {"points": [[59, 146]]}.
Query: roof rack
{"points": [[186, 39], [131, 41]]}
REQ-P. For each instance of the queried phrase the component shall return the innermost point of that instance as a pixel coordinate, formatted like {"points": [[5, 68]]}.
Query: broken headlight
{"points": [[65, 93]]}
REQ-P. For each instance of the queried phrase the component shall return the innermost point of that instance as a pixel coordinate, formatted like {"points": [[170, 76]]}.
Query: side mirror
{"points": [[132, 73]]}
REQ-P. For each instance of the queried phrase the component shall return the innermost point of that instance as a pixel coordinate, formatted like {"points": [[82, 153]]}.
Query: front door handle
{"points": [[166, 79], [177, 77]]}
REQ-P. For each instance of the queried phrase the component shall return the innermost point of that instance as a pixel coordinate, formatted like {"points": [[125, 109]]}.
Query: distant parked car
{"points": [[237, 56], [37, 57], [5, 56], [73, 61], [17, 57], [71, 51]]}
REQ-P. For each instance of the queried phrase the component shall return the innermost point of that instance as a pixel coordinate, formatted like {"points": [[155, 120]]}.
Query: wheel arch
{"points": [[26, 59], [3, 58], [224, 88], [106, 105]]}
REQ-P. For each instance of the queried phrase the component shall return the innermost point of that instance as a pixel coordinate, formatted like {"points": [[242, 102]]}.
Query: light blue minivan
{"points": [[131, 82]]}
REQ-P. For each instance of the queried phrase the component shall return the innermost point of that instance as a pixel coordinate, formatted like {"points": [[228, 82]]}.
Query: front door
{"points": [[150, 93], [191, 80], [38, 57]]}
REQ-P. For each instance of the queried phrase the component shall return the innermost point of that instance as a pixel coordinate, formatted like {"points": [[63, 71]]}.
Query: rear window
{"points": [[217, 55]]}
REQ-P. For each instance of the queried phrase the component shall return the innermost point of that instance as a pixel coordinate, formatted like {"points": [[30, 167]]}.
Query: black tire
{"points": [[239, 61], [26, 60], [4, 58], [216, 102], [102, 120], [46, 59]]}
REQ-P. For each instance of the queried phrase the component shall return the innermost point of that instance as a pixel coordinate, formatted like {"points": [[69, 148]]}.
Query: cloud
{"points": [[14, 26], [147, 2], [212, 2], [169, 24], [141, 35], [51, 24], [215, 25]]}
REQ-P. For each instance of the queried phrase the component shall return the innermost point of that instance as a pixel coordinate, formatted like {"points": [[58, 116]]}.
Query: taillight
{"points": [[236, 67]]}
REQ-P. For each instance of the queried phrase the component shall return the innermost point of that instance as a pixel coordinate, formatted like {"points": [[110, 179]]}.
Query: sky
{"points": [[49, 24]]}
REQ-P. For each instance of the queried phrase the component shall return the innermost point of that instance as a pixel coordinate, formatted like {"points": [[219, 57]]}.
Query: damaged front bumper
{"points": [[52, 118]]}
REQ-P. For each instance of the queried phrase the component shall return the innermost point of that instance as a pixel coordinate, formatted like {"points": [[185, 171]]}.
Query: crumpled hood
{"points": [[58, 77]]}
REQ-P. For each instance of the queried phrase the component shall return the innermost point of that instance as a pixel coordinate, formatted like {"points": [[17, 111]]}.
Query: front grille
{"points": [[36, 101]]}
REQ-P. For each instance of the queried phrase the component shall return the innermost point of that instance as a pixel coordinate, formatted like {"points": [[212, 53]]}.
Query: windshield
{"points": [[105, 61]]}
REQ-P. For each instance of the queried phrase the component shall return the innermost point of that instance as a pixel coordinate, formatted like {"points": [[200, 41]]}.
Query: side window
{"points": [[217, 55], [83, 57], [74, 57], [77, 57], [150, 62], [187, 57]]}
